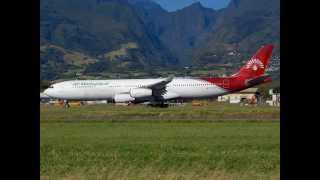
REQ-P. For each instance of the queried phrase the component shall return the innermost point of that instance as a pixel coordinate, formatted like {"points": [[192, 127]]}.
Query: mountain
{"points": [[203, 37], [107, 30], [181, 31], [95, 37], [240, 30]]}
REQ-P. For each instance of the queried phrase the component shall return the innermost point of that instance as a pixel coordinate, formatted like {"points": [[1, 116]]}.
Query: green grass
{"points": [[211, 112], [91, 149], [123, 51]]}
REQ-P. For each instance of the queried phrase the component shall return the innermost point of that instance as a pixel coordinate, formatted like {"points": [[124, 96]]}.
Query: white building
{"points": [[249, 94], [275, 101]]}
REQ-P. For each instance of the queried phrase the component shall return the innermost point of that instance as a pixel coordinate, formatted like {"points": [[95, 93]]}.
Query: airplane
{"points": [[158, 91]]}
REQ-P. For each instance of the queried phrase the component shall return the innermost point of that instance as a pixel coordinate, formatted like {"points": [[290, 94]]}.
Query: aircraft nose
{"points": [[47, 92]]}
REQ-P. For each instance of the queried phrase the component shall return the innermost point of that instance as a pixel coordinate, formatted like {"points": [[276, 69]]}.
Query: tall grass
{"points": [[166, 150]]}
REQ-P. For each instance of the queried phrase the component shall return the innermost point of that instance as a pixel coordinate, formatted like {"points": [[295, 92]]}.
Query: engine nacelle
{"points": [[140, 93], [122, 98]]}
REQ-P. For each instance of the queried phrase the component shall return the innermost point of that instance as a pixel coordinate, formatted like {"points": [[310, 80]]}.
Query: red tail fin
{"points": [[257, 64]]}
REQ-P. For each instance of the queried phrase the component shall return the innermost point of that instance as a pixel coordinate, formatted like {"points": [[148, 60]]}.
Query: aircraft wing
{"points": [[159, 88]]}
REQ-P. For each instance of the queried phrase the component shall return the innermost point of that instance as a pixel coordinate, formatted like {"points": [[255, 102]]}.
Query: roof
{"points": [[249, 90]]}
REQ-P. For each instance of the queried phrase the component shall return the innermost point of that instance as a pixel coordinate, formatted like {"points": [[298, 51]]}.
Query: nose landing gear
{"points": [[64, 103]]}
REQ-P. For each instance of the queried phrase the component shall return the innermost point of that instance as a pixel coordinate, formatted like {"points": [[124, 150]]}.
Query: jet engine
{"points": [[140, 93], [121, 98]]}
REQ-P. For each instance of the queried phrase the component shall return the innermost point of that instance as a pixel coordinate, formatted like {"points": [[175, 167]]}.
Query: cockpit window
{"points": [[51, 86]]}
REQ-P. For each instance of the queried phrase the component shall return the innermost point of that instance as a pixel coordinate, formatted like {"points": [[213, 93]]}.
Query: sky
{"points": [[173, 5]]}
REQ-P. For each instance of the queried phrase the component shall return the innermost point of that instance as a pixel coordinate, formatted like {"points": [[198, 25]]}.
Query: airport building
{"points": [[250, 95], [275, 100]]}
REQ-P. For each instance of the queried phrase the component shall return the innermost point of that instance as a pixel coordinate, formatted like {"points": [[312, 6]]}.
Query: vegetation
{"points": [[140, 150], [138, 142], [263, 89], [82, 143], [98, 37], [240, 30], [44, 85], [96, 28], [123, 51], [212, 112]]}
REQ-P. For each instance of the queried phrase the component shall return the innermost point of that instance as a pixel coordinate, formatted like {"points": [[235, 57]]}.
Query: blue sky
{"points": [[172, 5]]}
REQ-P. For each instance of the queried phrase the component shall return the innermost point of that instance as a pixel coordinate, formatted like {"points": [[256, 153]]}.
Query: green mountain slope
{"points": [[97, 28], [120, 36], [200, 36], [180, 31], [240, 30]]}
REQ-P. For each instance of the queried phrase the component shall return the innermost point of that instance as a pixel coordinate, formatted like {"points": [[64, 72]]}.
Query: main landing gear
{"points": [[161, 104], [67, 105]]}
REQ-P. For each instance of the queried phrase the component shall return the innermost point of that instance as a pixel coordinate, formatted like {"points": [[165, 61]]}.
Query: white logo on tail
{"points": [[254, 64]]}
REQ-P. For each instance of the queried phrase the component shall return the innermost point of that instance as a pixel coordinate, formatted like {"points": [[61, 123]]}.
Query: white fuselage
{"points": [[108, 89], [161, 89]]}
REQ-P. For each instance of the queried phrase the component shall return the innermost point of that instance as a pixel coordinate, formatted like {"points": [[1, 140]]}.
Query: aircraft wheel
{"points": [[162, 105], [66, 104]]}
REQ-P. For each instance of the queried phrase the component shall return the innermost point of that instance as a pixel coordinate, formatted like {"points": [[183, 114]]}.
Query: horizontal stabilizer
{"points": [[258, 80]]}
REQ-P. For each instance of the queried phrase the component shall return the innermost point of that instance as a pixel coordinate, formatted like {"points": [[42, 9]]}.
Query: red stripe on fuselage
{"points": [[228, 83], [237, 83]]}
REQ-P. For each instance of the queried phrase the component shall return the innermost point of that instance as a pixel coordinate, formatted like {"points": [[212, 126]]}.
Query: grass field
{"points": [[211, 112], [82, 143]]}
